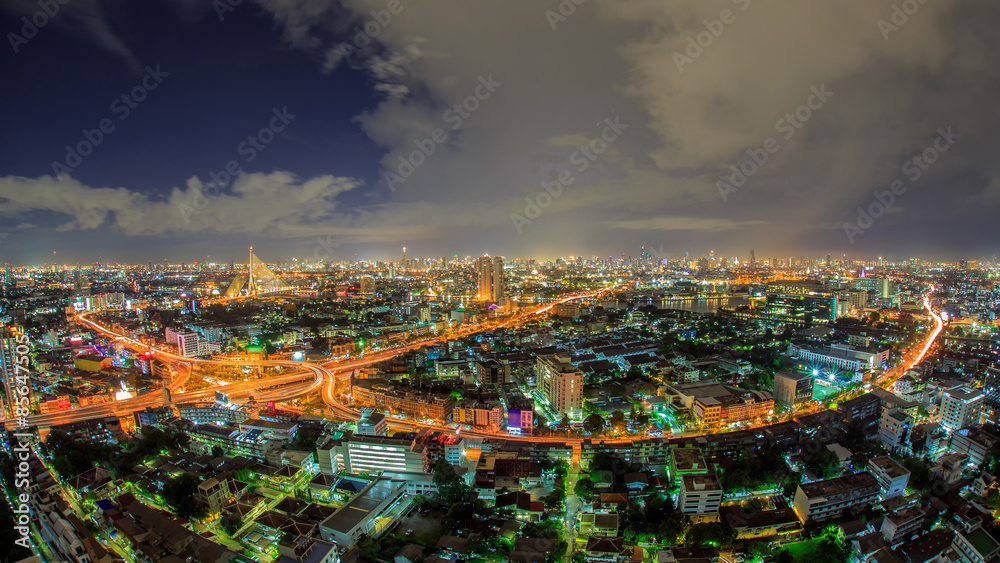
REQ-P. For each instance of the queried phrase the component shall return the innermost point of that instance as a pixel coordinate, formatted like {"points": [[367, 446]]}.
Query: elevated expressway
{"points": [[311, 378], [325, 377]]}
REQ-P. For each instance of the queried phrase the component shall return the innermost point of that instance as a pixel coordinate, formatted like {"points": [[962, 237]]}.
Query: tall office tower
{"points": [[403, 263], [829, 262], [8, 278], [753, 259], [498, 281], [491, 281], [77, 282], [484, 271]]}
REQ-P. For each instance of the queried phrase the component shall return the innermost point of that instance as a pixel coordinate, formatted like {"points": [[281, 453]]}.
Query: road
{"points": [[317, 373], [325, 377]]}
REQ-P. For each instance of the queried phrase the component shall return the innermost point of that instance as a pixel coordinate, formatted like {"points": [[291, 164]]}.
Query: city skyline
{"points": [[360, 130]]}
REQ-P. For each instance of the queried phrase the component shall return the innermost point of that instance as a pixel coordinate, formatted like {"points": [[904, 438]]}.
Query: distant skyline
{"points": [[387, 259], [522, 128]]}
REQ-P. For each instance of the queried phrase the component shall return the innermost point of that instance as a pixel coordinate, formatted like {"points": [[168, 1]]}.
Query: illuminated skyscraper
{"points": [[403, 263], [498, 280], [491, 280]]}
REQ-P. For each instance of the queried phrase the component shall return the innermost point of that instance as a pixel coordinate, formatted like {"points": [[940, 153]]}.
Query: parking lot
{"points": [[426, 527]]}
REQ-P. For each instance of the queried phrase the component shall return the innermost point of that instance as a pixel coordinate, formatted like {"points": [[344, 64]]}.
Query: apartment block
{"points": [[700, 497], [561, 383], [891, 476], [820, 500]]}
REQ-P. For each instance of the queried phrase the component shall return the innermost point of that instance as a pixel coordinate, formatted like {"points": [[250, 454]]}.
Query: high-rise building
{"points": [[491, 281], [561, 383], [498, 281], [403, 263], [960, 407]]}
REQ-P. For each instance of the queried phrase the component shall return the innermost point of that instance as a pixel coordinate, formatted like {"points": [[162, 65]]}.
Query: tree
{"points": [[558, 552], [217, 451], [638, 418], [584, 488], [451, 488], [555, 499], [617, 420], [231, 523], [490, 546], [594, 423], [714, 533], [181, 495], [565, 422]]}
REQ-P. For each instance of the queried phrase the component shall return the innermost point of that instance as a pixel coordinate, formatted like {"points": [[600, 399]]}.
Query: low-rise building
{"points": [[891, 476], [603, 525], [894, 429], [750, 524], [791, 389], [820, 500], [901, 525], [214, 494], [975, 546], [368, 513], [700, 497]]}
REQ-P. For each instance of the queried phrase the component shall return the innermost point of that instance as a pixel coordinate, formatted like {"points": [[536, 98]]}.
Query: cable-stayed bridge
{"points": [[259, 280]]}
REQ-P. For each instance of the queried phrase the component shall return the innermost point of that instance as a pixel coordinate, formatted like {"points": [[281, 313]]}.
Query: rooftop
{"points": [[359, 507], [701, 482], [981, 541], [887, 465], [839, 485]]}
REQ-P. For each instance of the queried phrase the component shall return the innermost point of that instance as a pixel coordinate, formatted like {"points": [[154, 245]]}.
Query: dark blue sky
{"points": [[654, 183]]}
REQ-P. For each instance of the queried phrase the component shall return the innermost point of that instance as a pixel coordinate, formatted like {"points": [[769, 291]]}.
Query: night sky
{"points": [[679, 126]]}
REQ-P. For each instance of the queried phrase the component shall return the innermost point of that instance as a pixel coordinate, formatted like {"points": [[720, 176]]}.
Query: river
{"points": [[694, 305]]}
